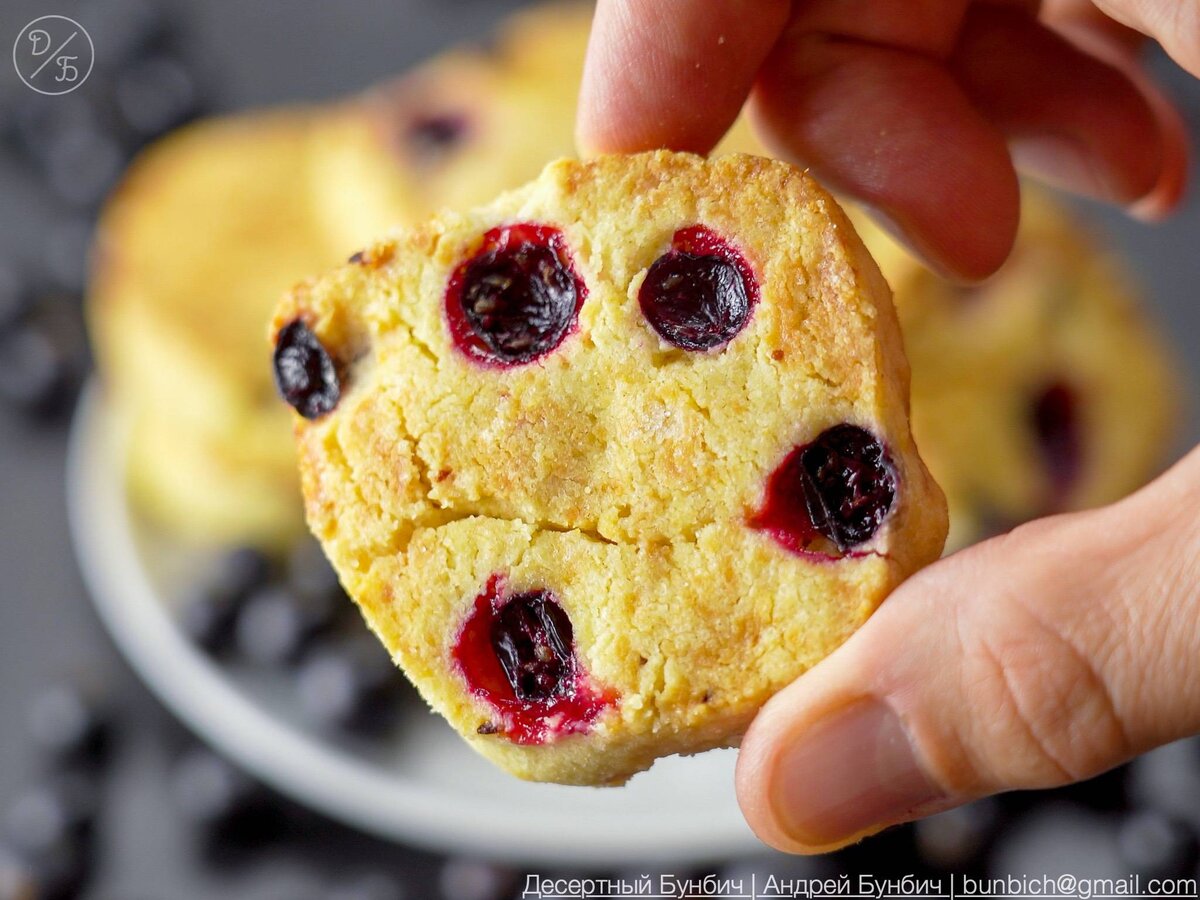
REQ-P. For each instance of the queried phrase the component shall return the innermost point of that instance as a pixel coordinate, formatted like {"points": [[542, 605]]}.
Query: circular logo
{"points": [[54, 55]]}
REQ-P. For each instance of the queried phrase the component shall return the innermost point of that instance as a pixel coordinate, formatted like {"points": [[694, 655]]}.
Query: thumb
{"points": [[1037, 658]]}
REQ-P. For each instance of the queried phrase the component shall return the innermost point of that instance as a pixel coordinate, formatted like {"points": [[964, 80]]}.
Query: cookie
{"points": [[455, 131], [205, 231], [610, 461], [207, 492], [1045, 388]]}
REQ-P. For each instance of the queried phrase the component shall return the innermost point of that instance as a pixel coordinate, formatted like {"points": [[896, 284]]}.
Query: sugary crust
{"points": [[619, 472]]}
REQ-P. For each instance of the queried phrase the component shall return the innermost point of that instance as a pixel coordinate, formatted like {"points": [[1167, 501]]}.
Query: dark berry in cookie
{"points": [[698, 294], [305, 372], [516, 298], [518, 653], [532, 639], [830, 495]]}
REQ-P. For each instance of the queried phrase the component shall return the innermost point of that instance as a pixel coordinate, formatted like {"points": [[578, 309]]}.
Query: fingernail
{"points": [[848, 774], [1063, 163]]}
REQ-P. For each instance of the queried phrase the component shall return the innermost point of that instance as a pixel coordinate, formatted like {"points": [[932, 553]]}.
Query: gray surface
{"points": [[266, 53]]}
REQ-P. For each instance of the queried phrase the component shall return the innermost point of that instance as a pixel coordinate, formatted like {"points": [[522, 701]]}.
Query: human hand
{"points": [[1049, 654], [915, 109], [1038, 658]]}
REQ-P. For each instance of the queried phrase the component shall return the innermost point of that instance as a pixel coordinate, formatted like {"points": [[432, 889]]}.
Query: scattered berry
{"points": [[215, 796], [957, 839], [351, 685], [68, 725], [65, 253], [310, 574], [16, 296], [474, 879], [1058, 839], [1167, 779], [430, 137], [36, 375], [1056, 425], [51, 814], [369, 886], [59, 873], [208, 613], [18, 878], [274, 624], [1156, 845], [126, 29], [82, 165], [155, 94]]}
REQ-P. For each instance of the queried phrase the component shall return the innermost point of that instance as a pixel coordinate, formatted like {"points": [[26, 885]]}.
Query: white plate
{"points": [[426, 787]]}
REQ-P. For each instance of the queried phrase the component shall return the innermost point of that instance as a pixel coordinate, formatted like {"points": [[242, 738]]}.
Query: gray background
{"points": [[261, 53]]}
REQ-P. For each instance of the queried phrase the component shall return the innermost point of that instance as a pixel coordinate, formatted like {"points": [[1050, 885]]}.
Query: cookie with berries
{"points": [[610, 461]]}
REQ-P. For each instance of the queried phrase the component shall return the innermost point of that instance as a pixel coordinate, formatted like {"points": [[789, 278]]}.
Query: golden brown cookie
{"points": [[608, 462]]}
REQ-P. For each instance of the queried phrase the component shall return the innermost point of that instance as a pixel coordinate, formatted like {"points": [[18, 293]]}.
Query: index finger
{"points": [[671, 73]]}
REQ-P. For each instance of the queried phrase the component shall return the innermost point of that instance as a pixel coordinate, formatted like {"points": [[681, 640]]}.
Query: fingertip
{"points": [[827, 776], [752, 781], [671, 73], [1100, 36], [756, 775], [1166, 195], [1069, 100], [974, 263]]}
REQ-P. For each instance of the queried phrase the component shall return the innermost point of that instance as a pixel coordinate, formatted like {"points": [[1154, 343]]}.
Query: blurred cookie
{"points": [[205, 232], [610, 461], [455, 131], [208, 493], [1043, 389]]}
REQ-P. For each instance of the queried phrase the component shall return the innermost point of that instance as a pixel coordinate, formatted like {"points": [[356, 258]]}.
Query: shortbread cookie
{"points": [[206, 230], [612, 460]]}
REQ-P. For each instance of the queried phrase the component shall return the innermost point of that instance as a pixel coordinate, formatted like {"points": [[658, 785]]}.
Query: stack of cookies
{"points": [[1042, 389]]}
